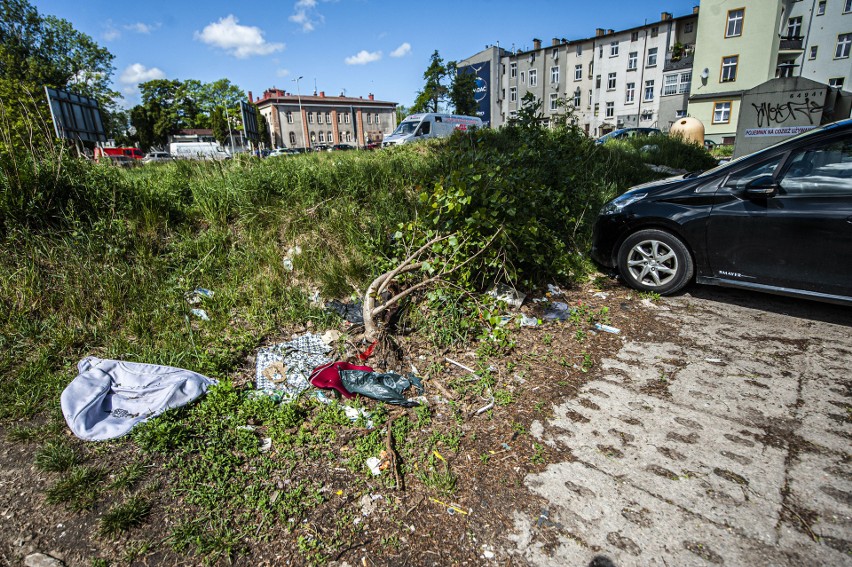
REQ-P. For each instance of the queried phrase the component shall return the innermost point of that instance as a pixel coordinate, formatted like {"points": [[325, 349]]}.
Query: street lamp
{"points": [[301, 116]]}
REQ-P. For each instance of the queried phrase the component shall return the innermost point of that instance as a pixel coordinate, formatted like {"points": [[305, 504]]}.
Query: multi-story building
{"points": [[308, 120], [742, 44]]}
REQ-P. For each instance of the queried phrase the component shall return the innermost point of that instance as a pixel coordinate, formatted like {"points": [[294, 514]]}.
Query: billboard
{"points": [[481, 90], [250, 121], [75, 117]]}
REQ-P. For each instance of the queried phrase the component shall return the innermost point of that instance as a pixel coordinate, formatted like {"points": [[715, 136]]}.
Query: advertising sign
{"points": [[481, 91], [250, 121], [75, 117]]}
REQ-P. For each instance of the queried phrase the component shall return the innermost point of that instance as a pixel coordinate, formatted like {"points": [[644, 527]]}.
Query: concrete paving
{"points": [[727, 446]]}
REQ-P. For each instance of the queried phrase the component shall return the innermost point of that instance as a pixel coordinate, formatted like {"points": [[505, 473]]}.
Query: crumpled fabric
{"points": [[387, 387], [108, 398], [352, 312], [283, 370], [557, 311]]}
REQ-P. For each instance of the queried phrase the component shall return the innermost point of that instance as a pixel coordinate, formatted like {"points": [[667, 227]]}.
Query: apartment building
{"points": [[304, 121], [742, 44]]}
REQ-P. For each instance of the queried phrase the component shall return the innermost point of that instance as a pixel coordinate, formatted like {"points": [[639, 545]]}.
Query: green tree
{"points": [[262, 128], [462, 91], [220, 125], [401, 112], [38, 51], [434, 91]]}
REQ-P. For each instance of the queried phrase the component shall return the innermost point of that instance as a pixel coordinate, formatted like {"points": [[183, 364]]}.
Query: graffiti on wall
{"points": [[799, 108]]}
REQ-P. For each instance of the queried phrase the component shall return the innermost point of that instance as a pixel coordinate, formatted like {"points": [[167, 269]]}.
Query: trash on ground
{"points": [[488, 552], [506, 446], [529, 321], [460, 365], [600, 294], [607, 328], [510, 295], [200, 313], [288, 264], [373, 464], [265, 444], [110, 397], [555, 290], [350, 379], [557, 311], [369, 503], [355, 413], [713, 360], [290, 365], [451, 508], [362, 356], [352, 312], [439, 455], [544, 521], [195, 296], [485, 408], [331, 336]]}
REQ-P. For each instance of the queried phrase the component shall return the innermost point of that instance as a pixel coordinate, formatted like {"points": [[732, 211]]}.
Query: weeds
{"points": [[79, 489], [123, 517], [56, 456]]}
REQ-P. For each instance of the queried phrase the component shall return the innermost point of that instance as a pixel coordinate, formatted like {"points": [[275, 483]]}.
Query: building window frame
{"points": [[630, 93], [794, 27], [655, 31], [844, 44], [670, 84], [609, 110], [836, 82], [533, 77], [632, 60], [610, 81], [513, 94], [578, 72], [613, 49], [688, 27], [728, 68], [685, 82], [734, 25], [523, 80], [597, 81], [648, 92], [289, 117], [513, 70], [847, 8], [578, 98], [820, 8], [634, 36], [292, 138], [554, 102], [651, 61], [723, 111], [554, 74], [321, 137], [328, 117], [579, 50], [814, 51], [319, 117], [310, 117]]}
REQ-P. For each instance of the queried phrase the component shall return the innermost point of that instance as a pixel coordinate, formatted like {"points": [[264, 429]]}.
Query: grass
{"points": [[56, 456], [79, 489], [123, 517]]}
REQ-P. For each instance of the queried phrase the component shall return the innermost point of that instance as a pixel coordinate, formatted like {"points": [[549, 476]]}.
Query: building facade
{"points": [[305, 121], [744, 43]]}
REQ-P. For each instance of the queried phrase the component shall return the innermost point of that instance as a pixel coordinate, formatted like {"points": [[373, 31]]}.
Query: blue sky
{"points": [[360, 46]]}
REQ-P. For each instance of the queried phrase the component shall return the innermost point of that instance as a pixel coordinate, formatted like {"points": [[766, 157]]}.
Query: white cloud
{"points": [[363, 57], [111, 32], [140, 27], [239, 41], [402, 50], [139, 73], [282, 72], [305, 14]]}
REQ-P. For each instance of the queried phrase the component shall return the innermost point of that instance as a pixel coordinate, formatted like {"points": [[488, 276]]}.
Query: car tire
{"points": [[655, 260]]}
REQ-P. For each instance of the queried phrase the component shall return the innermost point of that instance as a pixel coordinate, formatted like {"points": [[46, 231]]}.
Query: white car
{"points": [[153, 157]]}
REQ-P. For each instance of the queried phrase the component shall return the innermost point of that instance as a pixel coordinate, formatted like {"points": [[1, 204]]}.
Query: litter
{"points": [[557, 311], [350, 379], [200, 313], [460, 365], [713, 360], [369, 503], [373, 464], [601, 295], [529, 321], [352, 312], [506, 446], [108, 398], [193, 297], [607, 328], [451, 509], [265, 444], [331, 336], [362, 356], [355, 413], [437, 454], [555, 290], [510, 295], [283, 369], [288, 264]]}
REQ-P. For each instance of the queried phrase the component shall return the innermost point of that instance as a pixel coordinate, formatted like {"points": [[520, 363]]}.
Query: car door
{"points": [[800, 237]]}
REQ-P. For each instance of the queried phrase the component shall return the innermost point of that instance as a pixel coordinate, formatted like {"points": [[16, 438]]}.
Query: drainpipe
{"points": [[641, 85]]}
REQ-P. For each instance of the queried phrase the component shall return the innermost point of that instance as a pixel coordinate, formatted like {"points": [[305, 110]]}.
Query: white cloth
{"points": [[109, 397]]}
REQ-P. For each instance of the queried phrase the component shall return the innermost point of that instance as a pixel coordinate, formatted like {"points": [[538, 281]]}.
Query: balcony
{"points": [[791, 44]]}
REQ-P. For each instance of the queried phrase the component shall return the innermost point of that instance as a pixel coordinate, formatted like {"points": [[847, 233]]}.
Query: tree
{"points": [[220, 125], [402, 112], [462, 93], [263, 131], [38, 51], [434, 91]]}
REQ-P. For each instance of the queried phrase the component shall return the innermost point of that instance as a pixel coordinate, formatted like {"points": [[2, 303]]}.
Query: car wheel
{"points": [[655, 260]]}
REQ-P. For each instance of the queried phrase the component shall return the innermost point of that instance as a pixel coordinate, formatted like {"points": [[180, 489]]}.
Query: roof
{"points": [[290, 98]]}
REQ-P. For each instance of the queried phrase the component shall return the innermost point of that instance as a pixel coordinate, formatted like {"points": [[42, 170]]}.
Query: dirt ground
{"points": [[714, 429]]}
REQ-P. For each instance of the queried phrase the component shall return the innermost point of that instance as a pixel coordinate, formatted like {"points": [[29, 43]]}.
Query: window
{"points": [[836, 82], [339, 118], [590, 97], [848, 6], [721, 112], [600, 52], [610, 110], [844, 41], [655, 31], [346, 117], [685, 80], [613, 49], [598, 82], [292, 138], [591, 68], [523, 77], [554, 104], [578, 72], [576, 100], [321, 136], [610, 82], [369, 118], [328, 117], [319, 117], [630, 93], [670, 84], [313, 137], [739, 179], [310, 117], [289, 117], [824, 169], [649, 90], [794, 27], [634, 36], [513, 94], [652, 57], [687, 28], [533, 77], [680, 114], [348, 136], [735, 23], [579, 49], [554, 53], [513, 70], [821, 8], [329, 137], [814, 49], [377, 118], [554, 74], [597, 108], [632, 60], [729, 69]]}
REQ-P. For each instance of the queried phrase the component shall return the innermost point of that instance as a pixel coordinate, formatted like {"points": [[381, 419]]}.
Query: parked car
{"points": [[155, 157], [341, 147], [282, 152], [778, 220], [627, 133], [117, 160]]}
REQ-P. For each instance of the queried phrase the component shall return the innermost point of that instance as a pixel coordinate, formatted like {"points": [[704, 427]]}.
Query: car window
{"points": [[739, 179], [824, 169]]}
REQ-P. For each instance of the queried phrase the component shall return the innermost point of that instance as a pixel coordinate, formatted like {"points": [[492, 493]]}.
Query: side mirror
{"points": [[761, 187]]}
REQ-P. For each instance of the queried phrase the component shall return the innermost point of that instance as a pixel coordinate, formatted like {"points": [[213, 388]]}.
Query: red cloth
{"points": [[328, 376]]}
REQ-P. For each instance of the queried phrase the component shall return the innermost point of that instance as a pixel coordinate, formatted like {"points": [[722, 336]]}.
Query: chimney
{"points": [[665, 16], [536, 43], [695, 9], [250, 97], [554, 42], [322, 94], [371, 97], [599, 32], [610, 32]]}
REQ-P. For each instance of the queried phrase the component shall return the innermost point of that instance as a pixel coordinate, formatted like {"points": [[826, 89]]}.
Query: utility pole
{"points": [[301, 115]]}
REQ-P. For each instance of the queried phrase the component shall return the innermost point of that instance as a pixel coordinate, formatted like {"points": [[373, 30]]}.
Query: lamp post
{"points": [[301, 116]]}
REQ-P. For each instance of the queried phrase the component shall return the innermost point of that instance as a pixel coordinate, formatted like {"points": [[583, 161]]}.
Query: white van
{"points": [[430, 125], [198, 150]]}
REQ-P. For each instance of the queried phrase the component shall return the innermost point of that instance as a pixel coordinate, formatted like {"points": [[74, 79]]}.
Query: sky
{"points": [[356, 47]]}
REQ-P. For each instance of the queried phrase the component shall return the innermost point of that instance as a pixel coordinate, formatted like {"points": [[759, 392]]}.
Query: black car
{"points": [[778, 220]]}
